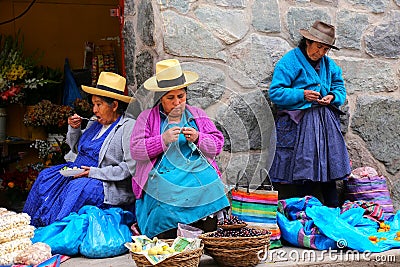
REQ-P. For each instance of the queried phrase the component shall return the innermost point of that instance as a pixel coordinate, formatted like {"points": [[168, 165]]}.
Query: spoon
{"points": [[88, 119]]}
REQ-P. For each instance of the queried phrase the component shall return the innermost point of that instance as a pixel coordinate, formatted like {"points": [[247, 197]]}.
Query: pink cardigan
{"points": [[146, 142]]}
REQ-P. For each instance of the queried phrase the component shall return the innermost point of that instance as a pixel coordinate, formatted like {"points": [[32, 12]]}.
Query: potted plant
{"points": [[20, 80], [83, 108], [15, 185], [51, 153], [51, 117], [49, 88]]}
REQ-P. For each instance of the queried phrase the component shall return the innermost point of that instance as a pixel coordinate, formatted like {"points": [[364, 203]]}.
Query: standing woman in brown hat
{"points": [[100, 174], [174, 144], [307, 88]]}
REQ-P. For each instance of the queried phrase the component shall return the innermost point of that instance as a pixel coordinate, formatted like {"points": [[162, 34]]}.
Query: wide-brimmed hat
{"points": [[169, 76], [321, 32], [109, 85]]}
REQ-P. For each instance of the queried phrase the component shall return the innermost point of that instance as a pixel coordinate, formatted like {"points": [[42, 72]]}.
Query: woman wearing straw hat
{"points": [[175, 145], [307, 88], [102, 158]]}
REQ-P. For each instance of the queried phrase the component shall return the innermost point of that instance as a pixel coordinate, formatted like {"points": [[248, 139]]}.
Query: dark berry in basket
{"points": [[231, 220], [243, 232]]}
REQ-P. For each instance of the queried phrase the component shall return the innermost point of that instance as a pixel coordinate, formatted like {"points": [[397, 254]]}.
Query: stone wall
{"points": [[234, 45]]}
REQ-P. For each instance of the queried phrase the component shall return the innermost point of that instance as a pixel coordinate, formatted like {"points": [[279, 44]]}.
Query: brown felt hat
{"points": [[321, 32]]}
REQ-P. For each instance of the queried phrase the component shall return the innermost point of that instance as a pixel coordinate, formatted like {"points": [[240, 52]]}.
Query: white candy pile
{"points": [[15, 240]]}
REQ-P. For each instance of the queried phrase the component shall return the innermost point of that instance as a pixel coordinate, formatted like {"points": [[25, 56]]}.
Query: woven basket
{"points": [[236, 251], [238, 242], [190, 258], [237, 257]]}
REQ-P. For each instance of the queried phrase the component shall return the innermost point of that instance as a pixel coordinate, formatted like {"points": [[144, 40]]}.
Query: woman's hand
{"points": [[75, 121], [326, 100], [171, 135], [311, 95], [85, 173], [190, 133]]}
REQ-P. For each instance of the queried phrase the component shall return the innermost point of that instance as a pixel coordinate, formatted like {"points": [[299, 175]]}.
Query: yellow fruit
{"points": [[398, 233], [171, 250], [382, 225], [153, 251], [164, 252], [136, 247]]}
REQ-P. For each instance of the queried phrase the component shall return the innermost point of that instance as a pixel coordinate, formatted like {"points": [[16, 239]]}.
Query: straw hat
{"points": [[321, 32], [109, 85], [169, 76]]}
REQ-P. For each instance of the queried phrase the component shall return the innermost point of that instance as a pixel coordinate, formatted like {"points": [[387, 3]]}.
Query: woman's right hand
{"points": [[171, 135], [311, 95], [75, 121]]}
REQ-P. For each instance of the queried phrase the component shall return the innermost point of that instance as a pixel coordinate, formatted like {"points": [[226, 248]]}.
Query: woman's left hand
{"points": [[190, 134], [326, 100], [85, 173]]}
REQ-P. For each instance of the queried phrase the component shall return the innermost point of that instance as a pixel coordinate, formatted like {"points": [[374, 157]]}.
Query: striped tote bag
{"points": [[365, 184], [258, 208]]}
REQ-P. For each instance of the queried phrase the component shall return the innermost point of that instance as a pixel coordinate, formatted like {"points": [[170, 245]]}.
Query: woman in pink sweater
{"points": [[177, 179]]}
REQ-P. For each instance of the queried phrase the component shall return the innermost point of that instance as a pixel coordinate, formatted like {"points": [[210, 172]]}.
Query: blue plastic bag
{"points": [[71, 90], [355, 236], [297, 228], [107, 232], [65, 236]]}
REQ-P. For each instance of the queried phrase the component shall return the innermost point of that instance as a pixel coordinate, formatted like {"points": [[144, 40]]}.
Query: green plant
{"points": [[50, 89]]}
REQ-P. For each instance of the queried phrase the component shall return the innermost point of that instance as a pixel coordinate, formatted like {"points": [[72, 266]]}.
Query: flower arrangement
{"points": [[51, 116], [49, 87], [51, 154], [16, 71], [17, 184], [83, 108]]}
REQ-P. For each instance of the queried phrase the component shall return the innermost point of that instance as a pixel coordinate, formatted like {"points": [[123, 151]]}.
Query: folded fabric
{"points": [[305, 222], [365, 184]]}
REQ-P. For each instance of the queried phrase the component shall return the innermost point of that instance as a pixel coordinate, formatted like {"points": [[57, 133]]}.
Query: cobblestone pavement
{"points": [[281, 257]]}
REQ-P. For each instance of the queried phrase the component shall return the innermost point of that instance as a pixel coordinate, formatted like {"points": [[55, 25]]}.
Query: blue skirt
{"points": [[313, 150], [54, 196]]}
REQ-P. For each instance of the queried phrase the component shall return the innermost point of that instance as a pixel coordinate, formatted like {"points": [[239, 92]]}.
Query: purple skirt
{"points": [[313, 150]]}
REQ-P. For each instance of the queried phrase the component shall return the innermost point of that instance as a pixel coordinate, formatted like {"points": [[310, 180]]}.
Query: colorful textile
{"points": [[54, 196], [258, 208], [364, 184], [305, 222], [372, 210], [54, 261], [299, 229]]}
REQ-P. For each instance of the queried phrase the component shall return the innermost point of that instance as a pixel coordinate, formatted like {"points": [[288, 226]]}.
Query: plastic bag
{"points": [[65, 236], [107, 232], [71, 90], [298, 228], [188, 231]]}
